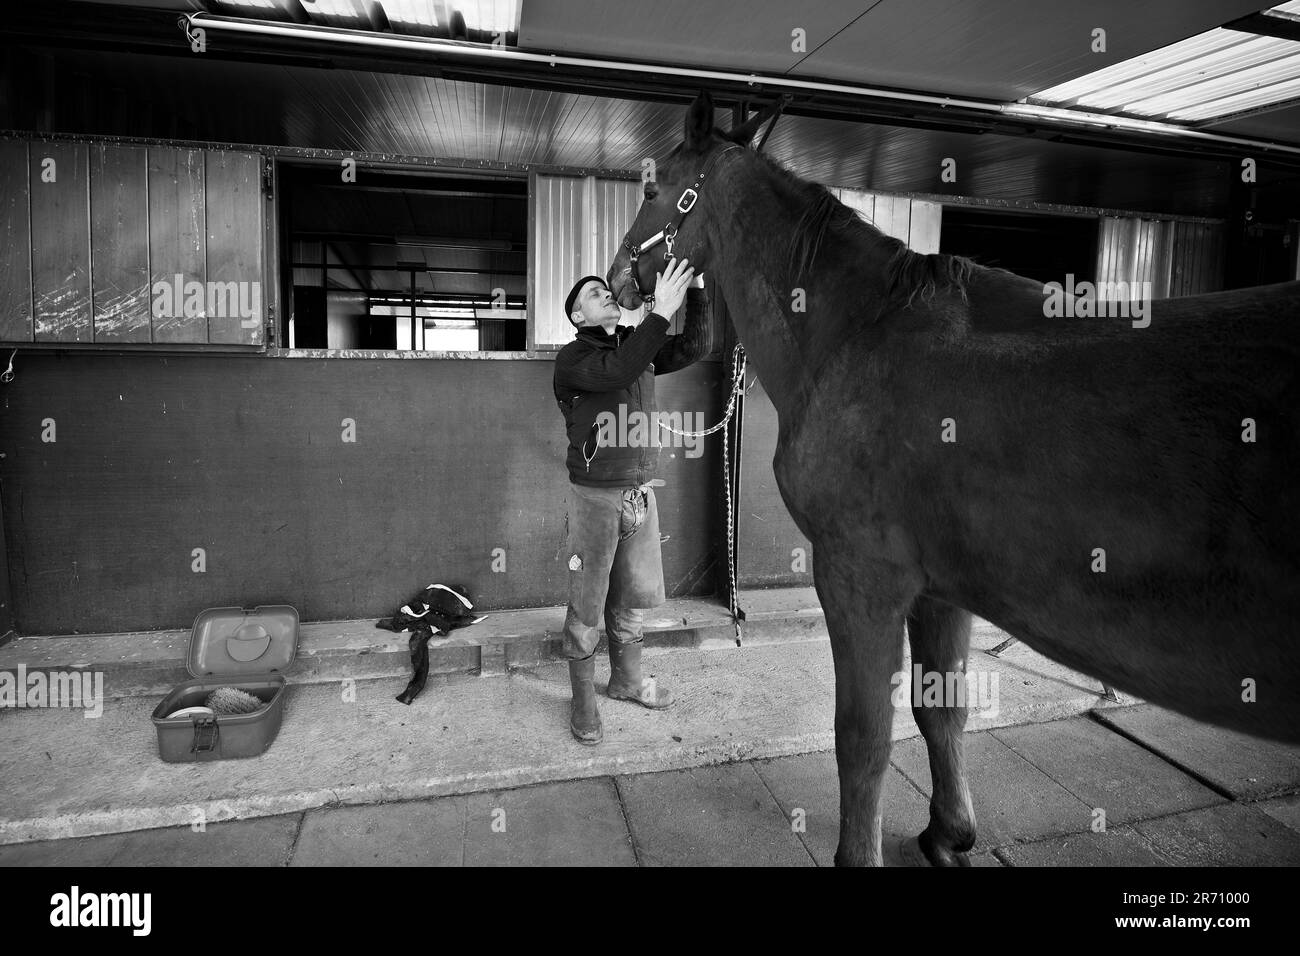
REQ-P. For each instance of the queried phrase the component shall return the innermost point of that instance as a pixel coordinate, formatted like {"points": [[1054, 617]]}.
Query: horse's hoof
{"points": [[937, 855], [909, 853]]}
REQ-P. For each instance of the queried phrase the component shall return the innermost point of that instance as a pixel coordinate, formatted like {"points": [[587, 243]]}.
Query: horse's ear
{"points": [[743, 133], [699, 122]]}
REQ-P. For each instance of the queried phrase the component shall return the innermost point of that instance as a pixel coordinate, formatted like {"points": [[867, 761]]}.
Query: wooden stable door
{"points": [[109, 245]]}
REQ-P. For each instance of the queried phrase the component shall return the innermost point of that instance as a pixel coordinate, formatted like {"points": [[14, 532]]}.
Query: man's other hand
{"points": [[670, 287]]}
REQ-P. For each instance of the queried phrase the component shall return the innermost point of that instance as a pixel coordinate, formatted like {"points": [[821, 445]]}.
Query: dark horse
{"points": [[1165, 455]]}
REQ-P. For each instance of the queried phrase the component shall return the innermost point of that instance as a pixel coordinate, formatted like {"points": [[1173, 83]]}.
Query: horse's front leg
{"points": [[940, 638], [864, 615]]}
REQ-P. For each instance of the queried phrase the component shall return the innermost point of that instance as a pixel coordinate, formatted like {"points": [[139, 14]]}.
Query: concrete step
{"points": [[144, 663]]}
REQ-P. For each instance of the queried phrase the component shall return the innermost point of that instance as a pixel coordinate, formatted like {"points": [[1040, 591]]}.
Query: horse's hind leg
{"points": [[864, 615], [940, 639]]}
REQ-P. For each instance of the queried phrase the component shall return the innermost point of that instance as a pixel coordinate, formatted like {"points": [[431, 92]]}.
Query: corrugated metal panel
{"points": [[556, 251], [1177, 258], [616, 204], [1196, 259], [578, 223], [1125, 253], [492, 335]]}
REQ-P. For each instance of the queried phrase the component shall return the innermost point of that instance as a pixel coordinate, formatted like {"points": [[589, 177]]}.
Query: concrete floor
{"points": [[723, 776], [1173, 792]]}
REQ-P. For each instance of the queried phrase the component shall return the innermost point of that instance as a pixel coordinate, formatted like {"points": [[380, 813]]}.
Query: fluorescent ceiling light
{"points": [[1255, 79], [1228, 105], [491, 16], [415, 12], [494, 16], [1216, 73], [332, 9]]}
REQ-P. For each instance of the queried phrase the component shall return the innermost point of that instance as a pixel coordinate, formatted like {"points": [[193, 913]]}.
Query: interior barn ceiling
{"points": [[999, 49], [228, 102]]}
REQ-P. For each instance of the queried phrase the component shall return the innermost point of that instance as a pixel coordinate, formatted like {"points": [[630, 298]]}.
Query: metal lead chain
{"points": [[737, 385], [738, 373]]}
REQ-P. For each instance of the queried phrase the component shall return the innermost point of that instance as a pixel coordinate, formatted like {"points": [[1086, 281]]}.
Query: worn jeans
{"points": [[615, 566]]}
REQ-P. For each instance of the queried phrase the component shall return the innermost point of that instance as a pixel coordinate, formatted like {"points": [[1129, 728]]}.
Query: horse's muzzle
{"points": [[620, 284]]}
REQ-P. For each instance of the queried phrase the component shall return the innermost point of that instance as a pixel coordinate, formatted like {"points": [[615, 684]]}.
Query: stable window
{"points": [[404, 261]]}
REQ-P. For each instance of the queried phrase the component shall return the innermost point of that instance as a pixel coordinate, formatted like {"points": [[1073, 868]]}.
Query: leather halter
{"points": [[685, 203]]}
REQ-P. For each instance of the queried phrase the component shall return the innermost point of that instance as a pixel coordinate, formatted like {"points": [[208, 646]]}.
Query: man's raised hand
{"points": [[670, 287]]}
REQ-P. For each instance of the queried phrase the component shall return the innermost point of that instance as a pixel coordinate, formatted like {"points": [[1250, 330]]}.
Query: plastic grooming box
{"points": [[248, 648]]}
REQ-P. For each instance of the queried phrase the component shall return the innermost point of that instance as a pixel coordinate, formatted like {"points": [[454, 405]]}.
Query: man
{"points": [[613, 521]]}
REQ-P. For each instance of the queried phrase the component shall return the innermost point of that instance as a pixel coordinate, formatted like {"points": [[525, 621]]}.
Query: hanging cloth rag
{"points": [[438, 610]]}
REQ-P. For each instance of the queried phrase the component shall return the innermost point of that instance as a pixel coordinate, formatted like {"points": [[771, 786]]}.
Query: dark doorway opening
{"points": [[1037, 246]]}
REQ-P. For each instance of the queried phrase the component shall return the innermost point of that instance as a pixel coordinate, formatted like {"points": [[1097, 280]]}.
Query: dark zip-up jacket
{"points": [[597, 373]]}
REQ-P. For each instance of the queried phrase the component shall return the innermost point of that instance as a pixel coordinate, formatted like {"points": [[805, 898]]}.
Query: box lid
{"points": [[246, 642]]}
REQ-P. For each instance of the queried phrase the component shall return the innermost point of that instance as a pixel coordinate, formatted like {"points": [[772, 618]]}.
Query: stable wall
{"points": [[140, 488]]}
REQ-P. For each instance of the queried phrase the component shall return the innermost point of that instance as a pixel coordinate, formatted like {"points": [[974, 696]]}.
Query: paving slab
{"points": [[811, 783], [1117, 846], [1014, 801], [85, 851], [1107, 770], [1283, 809], [1246, 767], [1232, 834], [578, 823], [409, 833], [262, 842], [709, 816]]}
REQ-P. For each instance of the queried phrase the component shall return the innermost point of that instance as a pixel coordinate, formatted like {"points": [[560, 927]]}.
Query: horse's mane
{"points": [[909, 275]]}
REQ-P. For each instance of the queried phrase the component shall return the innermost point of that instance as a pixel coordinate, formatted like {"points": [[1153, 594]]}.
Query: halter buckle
{"points": [[687, 202]]}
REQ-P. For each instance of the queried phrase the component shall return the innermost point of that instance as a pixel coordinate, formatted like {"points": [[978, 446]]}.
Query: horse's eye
{"points": [[651, 192]]}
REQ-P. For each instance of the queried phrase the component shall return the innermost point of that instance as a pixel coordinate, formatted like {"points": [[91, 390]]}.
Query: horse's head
{"points": [[673, 218]]}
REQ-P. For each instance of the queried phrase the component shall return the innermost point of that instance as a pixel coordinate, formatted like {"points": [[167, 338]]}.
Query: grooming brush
{"points": [[231, 701]]}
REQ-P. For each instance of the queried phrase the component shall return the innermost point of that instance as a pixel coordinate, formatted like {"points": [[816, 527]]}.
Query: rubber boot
{"points": [[584, 718], [626, 682]]}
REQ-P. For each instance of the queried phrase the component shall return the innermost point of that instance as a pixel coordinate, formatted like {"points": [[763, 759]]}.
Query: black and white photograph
{"points": [[674, 433]]}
